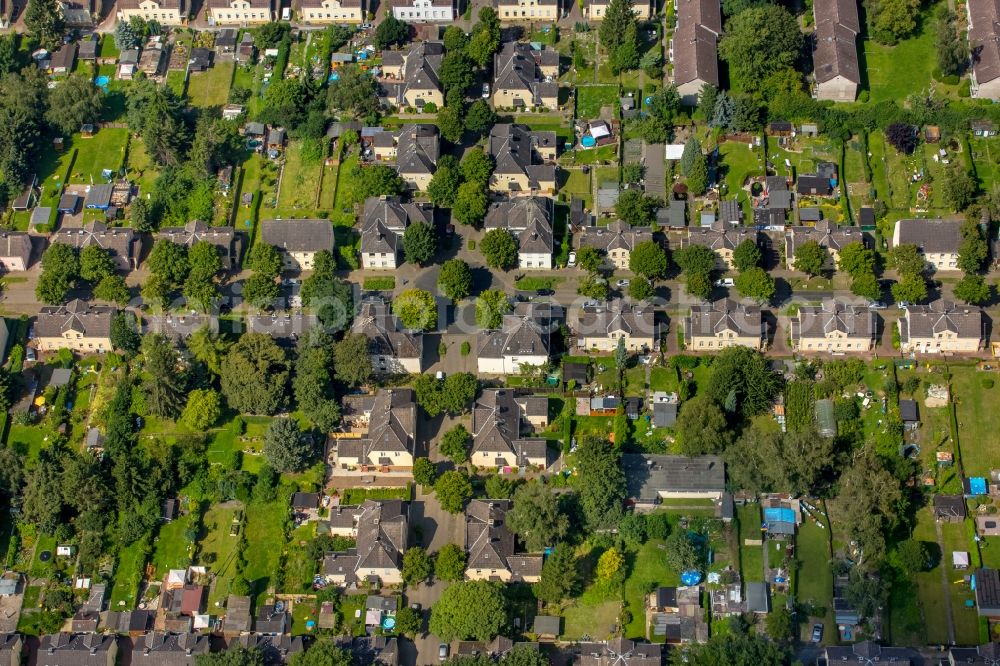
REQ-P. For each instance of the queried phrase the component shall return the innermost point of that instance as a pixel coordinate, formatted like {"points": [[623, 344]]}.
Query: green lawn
{"points": [[590, 99], [29, 440], [647, 569], [594, 620], [217, 548], [738, 163], [535, 283], [140, 167], [577, 184], [128, 574], [662, 379], [751, 557], [300, 182], [176, 81], [264, 537], [379, 284], [299, 567], [978, 421], [343, 208], [104, 150], [210, 88], [172, 548], [602, 155]]}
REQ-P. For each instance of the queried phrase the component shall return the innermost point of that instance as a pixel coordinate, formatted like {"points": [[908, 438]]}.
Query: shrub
{"points": [[987, 383], [466, 348]]}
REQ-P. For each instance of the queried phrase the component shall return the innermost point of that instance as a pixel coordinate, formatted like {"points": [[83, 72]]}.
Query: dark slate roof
{"points": [[297, 235], [305, 500], [923, 321], [950, 505], [870, 653], [382, 527], [988, 590], [829, 235], [695, 42], [512, 150], [835, 50], [75, 649], [817, 321], [386, 335], [386, 218], [275, 649], [618, 235], [497, 420], [524, 332], [392, 418], [908, 411], [15, 244], [417, 149], [620, 652], [93, 321], [614, 318], [935, 236], [725, 314], [529, 219], [517, 69], [722, 236], [162, 649], [575, 371], [238, 619], [984, 38], [490, 543], [119, 241], [197, 231], [646, 475], [372, 650], [129, 621]]}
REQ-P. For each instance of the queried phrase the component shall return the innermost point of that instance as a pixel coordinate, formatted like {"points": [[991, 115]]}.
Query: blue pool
{"points": [[102, 81]]}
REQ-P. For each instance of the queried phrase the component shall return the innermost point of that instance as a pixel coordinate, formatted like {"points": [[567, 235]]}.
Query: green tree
{"points": [[162, 384], [618, 17], [74, 102], [695, 259], [377, 180], [450, 122], [408, 621], [743, 376], [682, 553], [691, 151], [238, 656], [254, 374], [779, 624], [419, 242], [157, 114], [810, 257], [625, 56], [286, 447], [324, 652], [561, 577], [44, 21], [873, 501], [424, 472], [485, 37], [910, 289], [757, 284], [535, 517], [600, 483], [633, 172], [952, 51], [416, 309], [124, 336], [973, 251], [312, 383], [959, 188], [417, 565], [260, 290], [455, 444], [499, 249], [455, 279], [491, 306], [640, 289], [747, 255], [391, 31], [632, 529], [444, 183], [453, 490], [593, 286], [470, 203], [735, 648], [973, 290], [907, 259], [649, 260], [760, 41], [697, 180], [470, 610], [354, 93], [480, 117], [264, 259], [454, 38], [589, 259], [856, 260], [169, 261], [450, 563], [456, 72], [702, 427], [621, 359], [202, 410], [609, 565], [113, 289], [477, 167], [60, 270], [913, 556], [208, 348], [352, 359], [866, 285], [636, 208], [126, 37], [892, 20]]}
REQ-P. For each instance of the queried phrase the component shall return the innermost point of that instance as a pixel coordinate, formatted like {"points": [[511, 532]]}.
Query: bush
{"points": [[864, 96], [965, 88], [987, 383], [466, 348]]}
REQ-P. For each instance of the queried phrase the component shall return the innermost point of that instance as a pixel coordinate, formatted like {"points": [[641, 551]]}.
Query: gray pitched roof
{"points": [[818, 321], [512, 150], [158, 648], [497, 418], [936, 236], [276, 649], [618, 316], [417, 149], [721, 236], [197, 231], [525, 331], [984, 39], [620, 652], [924, 321], [517, 69], [92, 321], [699, 24], [382, 527], [297, 235], [618, 235], [528, 218], [15, 244], [392, 421], [119, 241], [64, 649], [725, 315], [385, 219], [835, 50], [385, 334], [647, 475], [489, 542]]}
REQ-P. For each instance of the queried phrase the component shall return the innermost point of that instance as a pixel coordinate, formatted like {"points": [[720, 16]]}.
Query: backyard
{"points": [[210, 88]]}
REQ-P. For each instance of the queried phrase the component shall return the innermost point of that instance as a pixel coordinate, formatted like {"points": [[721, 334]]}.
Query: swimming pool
{"points": [[102, 81]]}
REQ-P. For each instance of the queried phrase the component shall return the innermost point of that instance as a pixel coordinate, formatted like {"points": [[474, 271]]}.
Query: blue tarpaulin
{"points": [[779, 515], [977, 485], [690, 577]]}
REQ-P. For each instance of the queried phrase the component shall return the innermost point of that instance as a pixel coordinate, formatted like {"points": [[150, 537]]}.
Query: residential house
{"points": [[63, 59], [615, 241], [620, 652], [723, 239], [600, 327], [835, 53], [11, 648], [724, 323], [417, 151], [158, 648], [522, 340], [133, 623], [524, 160], [180, 326], [393, 349], [153, 60], [121, 242], [988, 593], [941, 327], [385, 425], [318, 12], [424, 11], [984, 44], [983, 128], [276, 649], [529, 220], [870, 652], [949, 508], [490, 545], [284, 327], [694, 47], [237, 619], [382, 225], [239, 12], [525, 77], [225, 239], [650, 479], [272, 620], [498, 419], [15, 251], [831, 237], [371, 650], [64, 649], [78, 326], [834, 327], [380, 528], [938, 240], [595, 9], [987, 654], [297, 241], [412, 78], [527, 10]]}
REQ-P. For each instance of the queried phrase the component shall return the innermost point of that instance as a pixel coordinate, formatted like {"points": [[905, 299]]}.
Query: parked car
{"points": [[486, 91], [439, 374], [725, 282], [415, 606], [817, 634], [443, 652], [877, 305], [622, 283], [572, 260], [544, 292]]}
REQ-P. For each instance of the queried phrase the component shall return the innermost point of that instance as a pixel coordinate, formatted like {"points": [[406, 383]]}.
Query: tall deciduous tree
{"points": [[760, 41], [600, 483], [535, 517], [419, 242], [162, 384], [470, 610], [286, 447], [352, 359], [491, 306], [254, 375], [74, 102], [499, 249], [810, 257]]}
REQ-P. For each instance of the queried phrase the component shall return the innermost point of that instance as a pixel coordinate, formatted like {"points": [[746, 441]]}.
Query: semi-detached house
{"points": [[938, 240], [331, 11], [694, 47], [940, 328], [297, 241], [499, 418], [524, 160], [529, 220], [835, 51]]}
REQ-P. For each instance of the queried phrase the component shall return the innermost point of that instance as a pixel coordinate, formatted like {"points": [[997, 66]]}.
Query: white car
{"points": [[486, 91], [572, 260], [725, 282], [622, 283], [286, 14]]}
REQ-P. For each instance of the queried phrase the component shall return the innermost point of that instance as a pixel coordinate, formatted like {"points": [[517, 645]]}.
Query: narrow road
{"points": [[945, 586]]}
